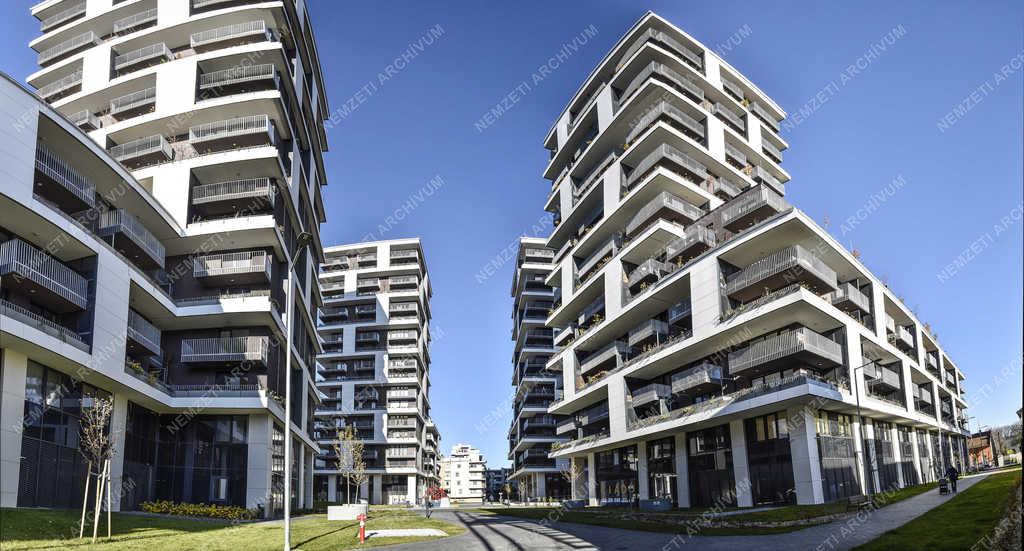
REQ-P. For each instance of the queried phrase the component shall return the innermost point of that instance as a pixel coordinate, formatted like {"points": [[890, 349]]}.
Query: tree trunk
{"points": [[85, 499]]}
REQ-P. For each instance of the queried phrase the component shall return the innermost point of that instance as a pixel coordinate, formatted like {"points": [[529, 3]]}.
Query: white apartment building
{"points": [[375, 369], [532, 432], [160, 241], [716, 345], [463, 474]]}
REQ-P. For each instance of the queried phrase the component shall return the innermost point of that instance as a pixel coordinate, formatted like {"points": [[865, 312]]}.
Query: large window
{"points": [[907, 456], [885, 457], [52, 470], [710, 464], [616, 475], [927, 466], [837, 453], [661, 470], [769, 459]]}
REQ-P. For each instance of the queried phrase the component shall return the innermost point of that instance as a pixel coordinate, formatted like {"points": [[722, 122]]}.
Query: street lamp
{"points": [[301, 242], [860, 424]]}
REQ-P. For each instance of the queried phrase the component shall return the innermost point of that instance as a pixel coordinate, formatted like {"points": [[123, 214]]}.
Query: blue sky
{"points": [[894, 117]]}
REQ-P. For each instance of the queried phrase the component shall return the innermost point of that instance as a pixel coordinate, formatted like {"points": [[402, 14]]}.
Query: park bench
{"points": [[858, 502]]}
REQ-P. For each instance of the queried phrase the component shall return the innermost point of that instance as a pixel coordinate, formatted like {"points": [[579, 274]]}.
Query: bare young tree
{"points": [[348, 449], [97, 448]]}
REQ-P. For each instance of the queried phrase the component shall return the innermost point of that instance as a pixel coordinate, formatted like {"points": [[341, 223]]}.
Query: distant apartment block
{"points": [[714, 344], [374, 372], [463, 474]]}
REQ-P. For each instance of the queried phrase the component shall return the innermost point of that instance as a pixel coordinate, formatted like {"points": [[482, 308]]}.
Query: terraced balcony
{"points": [[244, 267], [220, 350], [404, 310], [801, 345], [688, 55], [60, 183], [765, 117], [664, 206], [650, 393], [403, 283], [71, 13], [135, 22], [902, 338], [237, 133], [695, 240], [730, 118], [647, 273], [666, 75], [881, 378], [605, 358], [26, 269], [674, 117], [229, 198], [734, 156], [143, 334], [142, 57], [61, 87], [67, 48], [780, 269], [404, 256], [142, 152], [668, 157], [848, 297], [753, 206], [701, 379], [134, 104], [231, 35], [13, 311], [84, 119], [131, 238], [762, 176]]}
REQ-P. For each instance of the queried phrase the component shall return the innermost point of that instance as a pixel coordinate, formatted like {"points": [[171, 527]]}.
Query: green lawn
{"points": [[957, 524], [44, 529]]}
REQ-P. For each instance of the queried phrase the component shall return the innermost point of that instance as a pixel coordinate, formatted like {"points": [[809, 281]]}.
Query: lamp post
{"points": [[301, 242], [860, 423]]}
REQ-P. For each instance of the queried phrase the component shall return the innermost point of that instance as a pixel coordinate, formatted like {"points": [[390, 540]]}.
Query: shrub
{"points": [[224, 512]]}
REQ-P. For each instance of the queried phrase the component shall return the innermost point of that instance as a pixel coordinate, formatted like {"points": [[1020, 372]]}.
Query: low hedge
{"points": [[225, 512]]}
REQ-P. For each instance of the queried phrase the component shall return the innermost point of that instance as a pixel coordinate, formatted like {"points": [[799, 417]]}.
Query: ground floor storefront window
{"points": [[712, 482], [557, 486], [616, 475], [769, 459], [837, 454], [395, 489], [661, 470]]}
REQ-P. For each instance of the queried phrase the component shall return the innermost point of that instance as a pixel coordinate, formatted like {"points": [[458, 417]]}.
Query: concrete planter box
{"points": [[347, 512], [574, 504], [655, 505]]}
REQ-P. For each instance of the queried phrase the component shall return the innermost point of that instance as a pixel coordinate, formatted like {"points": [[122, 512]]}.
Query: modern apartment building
{"points": [[463, 474], [532, 432], [375, 369], [160, 243], [716, 346]]}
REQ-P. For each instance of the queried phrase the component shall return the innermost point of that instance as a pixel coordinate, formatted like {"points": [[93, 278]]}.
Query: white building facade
{"points": [[173, 185], [716, 346], [464, 474], [375, 370]]}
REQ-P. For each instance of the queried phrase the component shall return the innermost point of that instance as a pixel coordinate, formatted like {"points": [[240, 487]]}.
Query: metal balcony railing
{"points": [[60, 86], [60, 50], [226, 349], [198, 4], [689, 55], [693, 236], [158, 51], [734, 154], [262, 188], [133, 22], [238, 75], [123, 222], [902, 337], [63, 16], [404, 255], [151, 145], [403, 281], [794, 263], [664, 203], [230, 32], [760, 175], [366, 257], [141, 331], [667, 75], [733, 89], [593, 415], [133, 101], [725, 113], [722, 187], [18, 257], [650, 393], [783, 345], [403, 307], [53, 166], [701, 376], [401, 393], [931, 361], [367, 283], [409, 335], [849, 293], [55, 330], [762, 113], [680, 310], [647, 270], [368, 337], [615, 351], [881, 377], [664, 110], [652, 328], [401, 422], [245, 262], [401, 452], [84, 119], [241, 126], [589, 264], [677, 159], [772, 151], [924, 395], [594, 176], [755, 200], [404, 363], [362, 309]]}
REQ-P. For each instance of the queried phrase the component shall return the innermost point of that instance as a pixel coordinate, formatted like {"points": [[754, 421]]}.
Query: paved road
{"points": [[504, 533]]}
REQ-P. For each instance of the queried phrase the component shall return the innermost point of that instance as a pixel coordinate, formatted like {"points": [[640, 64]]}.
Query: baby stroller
{"points": [[943, 486]]}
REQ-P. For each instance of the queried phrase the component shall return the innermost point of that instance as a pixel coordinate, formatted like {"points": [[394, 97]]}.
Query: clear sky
{"points": [[928, 112]]}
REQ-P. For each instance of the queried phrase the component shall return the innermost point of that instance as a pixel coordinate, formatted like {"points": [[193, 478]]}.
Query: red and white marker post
{"points": [[362, 528]]}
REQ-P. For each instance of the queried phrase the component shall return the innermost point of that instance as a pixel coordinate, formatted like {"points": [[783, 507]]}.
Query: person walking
{"points": [[952, 474]]}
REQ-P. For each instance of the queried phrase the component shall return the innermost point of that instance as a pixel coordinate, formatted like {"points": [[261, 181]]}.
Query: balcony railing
{"points": [[143, 332], [67, 47], [84, 119], [158, 52], [849, 294], [249, 188], [762, 176], [238, 75], [55, 330], [702, 377], [732, 153], [648, 271], [120, 221], [753, 204], [63, 16], [730, 117], [593, 176], [687, 54], [134, 22], [650, 393], [403, 281], [234, 32], [779, 269], [245, 262], [676, 160], [667, 75], [18, 257], [784, 345], [132, 102], [143, 149], [695, 240], [882, 378], [761, 113], [733, 89], [404, 256], [231, 128], [674, 116], [228, 349], [772, 151], [53, 89], [664, 205], [53, 166], [615, 351], [650, 329], [931, 361], [396, 336]]}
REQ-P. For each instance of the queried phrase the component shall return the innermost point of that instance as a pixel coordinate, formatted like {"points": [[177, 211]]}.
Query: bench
{"points": [[858, 502]]}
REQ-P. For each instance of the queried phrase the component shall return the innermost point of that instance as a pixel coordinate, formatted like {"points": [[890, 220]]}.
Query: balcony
{"points": [[650, 393], [49, 282], [679, 311], [366, 311], [402, 363], [368, 339], [245, 267], [667, 157], [84, 119], [62, 17], [664, 206], [225, 350], [213, 4], [61, 184], [142, 57], [762, 176], [401, 422], [232, 197], [248, 131], [780, 269], [400, 338], [665, 74], [753, 206], [538, 256], [607, 357], [733, 89], [61, 87], [403, 283], [730, 118], [68, 47], [365, 260], [771, 151], [404, 256], [689, 55], [133, 104], [800, 345], [143, 152], [596, 260], [239, 80], [702, 379], [765, 117], [334, 315], [593, 176], [931, 362], [404, 310], [231, 35], [143, 334], [135, 22], [647, 273], [695, 240], [368, 285], [902, 338], [131, 238], [849, 297], [734, 156], [55, 330], [674, 117], [593, 415], [881, 378], [652, 330]]}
